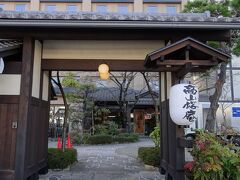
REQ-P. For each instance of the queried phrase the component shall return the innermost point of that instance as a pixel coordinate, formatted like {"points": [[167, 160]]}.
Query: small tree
{"points": [[217, 9], [123, 85], [59, 84], [148, 77]]}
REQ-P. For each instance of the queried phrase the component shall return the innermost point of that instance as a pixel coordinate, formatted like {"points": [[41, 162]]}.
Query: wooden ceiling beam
{"points": [[184, 70], [183, 62], [92, 65]]}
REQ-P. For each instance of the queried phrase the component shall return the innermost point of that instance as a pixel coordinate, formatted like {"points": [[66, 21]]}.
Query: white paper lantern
{"points": [[1, 65], [103, 68], [183, 104]]}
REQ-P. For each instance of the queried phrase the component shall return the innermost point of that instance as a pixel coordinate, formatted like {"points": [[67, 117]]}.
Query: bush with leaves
{"points": [[155, 136], [75, 137], [57, 159], [150, 155], [212, 160], [99, 139]]}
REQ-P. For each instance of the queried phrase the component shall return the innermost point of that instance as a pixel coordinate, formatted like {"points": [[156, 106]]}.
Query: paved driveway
{"points": [[107, 162]]}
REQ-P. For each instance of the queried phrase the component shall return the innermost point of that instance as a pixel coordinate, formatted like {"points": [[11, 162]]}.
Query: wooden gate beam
{"points": [[24, 106]]}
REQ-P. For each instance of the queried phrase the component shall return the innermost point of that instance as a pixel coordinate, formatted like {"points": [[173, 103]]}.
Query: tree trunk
{"points": [[65, 114], [156, 107], [214, 99]]}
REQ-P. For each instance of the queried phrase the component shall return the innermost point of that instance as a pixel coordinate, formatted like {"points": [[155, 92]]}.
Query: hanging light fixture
{"points": [[1, 65], [103, 70], [104, 76]]}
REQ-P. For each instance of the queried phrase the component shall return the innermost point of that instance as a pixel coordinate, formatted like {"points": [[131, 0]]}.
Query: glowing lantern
{"points": [[104, 76], [1, 65], [103, 69], [183, 104]]}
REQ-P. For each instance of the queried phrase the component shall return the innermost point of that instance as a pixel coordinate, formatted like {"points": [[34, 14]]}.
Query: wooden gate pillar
{"points": [[33, 115], [172, 154], [24, 107]]}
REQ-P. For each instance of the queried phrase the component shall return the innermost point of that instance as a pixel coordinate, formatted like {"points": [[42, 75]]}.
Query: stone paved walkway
{"points": [[107, 162]]}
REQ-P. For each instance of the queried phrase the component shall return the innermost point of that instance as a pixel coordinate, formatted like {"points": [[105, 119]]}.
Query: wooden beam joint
{"points": [[184, 70]]}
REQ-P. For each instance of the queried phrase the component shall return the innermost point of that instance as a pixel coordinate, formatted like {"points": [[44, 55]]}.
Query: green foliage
{"points": [[236, 47], [155, 136], [218, 8], [110, 129], [75, 137], [101, 114], [70, 81], [126, 137], [113, 128], [108, 139], [101, 129], [150, 155], [57, 159], [99, 139], [213, 160]]}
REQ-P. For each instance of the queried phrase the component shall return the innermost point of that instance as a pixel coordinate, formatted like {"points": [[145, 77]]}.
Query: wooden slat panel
{"points": [[8, 114], [37, 136]]}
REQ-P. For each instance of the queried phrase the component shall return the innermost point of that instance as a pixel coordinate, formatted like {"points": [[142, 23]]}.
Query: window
{"points": [[226, 91], [71, 8], [102, 8], [152, 9], [20, 7], [235, 61], [2, 6], [236, 84], [171, 9], [50, 7], [123, 9]]}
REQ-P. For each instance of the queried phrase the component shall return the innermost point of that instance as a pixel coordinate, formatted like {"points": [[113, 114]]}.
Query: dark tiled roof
{"points": [[162, 1], [159, 17], [63, 1], [6, 45], [112, 1], [112, 94]]}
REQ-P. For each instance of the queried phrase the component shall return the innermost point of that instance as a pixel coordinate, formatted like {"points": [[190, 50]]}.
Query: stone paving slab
{"points": [[107, 162]]}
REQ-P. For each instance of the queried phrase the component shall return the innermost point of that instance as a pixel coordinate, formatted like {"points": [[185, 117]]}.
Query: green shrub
{"points": [[212, 160], [60, 160], [121, 139], [101, 129], [99, 139], [155, 136], [75, 137], [108, 139], [110, 129], [85, 138], [127, 137], [113, 128], [150, 155]]}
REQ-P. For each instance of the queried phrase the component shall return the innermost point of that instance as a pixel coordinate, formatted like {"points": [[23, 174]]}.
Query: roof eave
{"points": [[117, 24]]}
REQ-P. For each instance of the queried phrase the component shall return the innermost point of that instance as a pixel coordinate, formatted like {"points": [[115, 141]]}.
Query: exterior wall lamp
{"points": [[1, 65], [103, 70]]}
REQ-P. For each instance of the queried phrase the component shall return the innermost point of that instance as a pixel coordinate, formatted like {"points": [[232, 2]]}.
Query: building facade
{"points": [[120, 6]]}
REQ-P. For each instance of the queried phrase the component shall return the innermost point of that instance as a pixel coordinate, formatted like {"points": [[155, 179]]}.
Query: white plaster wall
{"points": [[109, 50], [45, 86], [37, 69], [231, 121], [10, 84]]}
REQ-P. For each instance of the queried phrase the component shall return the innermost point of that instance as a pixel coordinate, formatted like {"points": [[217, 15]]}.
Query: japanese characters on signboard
{"points": [[183, 103]]}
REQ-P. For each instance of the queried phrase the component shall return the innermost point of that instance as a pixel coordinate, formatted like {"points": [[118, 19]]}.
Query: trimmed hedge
{"points": [[125, 137], [61, 160], [108, 139], [150, 155], [99, 139]]}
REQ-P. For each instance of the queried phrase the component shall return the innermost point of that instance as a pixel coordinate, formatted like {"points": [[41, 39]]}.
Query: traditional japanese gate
{"points": [[63, 41]]}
